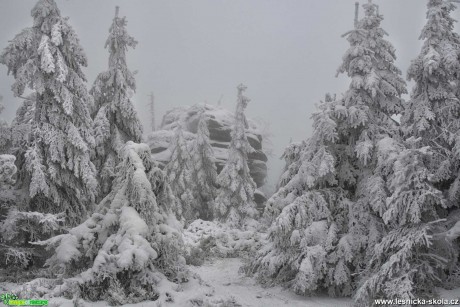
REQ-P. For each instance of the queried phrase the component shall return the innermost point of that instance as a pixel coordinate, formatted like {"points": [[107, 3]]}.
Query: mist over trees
{"points": [[366, 208]]}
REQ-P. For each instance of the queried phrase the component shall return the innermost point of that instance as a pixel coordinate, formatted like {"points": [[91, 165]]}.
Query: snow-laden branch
{"points": [[7, 169]]}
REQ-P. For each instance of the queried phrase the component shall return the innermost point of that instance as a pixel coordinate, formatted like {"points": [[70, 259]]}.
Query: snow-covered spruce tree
{"points": [[115, 119], [235, 199], [179, 171], [406, 263], [276, 203], [130, 242], [205, 171], [284, 195], [17, 228], [322, 237], [421, 178], [433, 111], [48, 58], [19, 225]]}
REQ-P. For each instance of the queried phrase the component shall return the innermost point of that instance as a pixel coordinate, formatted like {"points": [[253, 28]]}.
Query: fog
{"points": [[286, 52]]}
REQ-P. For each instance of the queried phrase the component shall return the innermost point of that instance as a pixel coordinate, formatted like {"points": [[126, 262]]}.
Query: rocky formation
{"points": [[220, 123]]}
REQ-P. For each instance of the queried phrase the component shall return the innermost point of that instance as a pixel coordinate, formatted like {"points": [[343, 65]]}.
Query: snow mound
{"points": [[216, 239]]}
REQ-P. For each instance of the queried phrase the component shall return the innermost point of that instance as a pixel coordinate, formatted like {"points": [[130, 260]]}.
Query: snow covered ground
{"points": [[216, 282], [223, 276], [219, 281]]}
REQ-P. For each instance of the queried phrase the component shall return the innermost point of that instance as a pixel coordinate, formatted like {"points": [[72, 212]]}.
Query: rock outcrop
{"points": [[220, 123]]}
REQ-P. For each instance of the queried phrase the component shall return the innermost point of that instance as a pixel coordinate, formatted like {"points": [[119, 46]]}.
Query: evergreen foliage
{"points": [[407, 263], [367, 207], [416, 180], [327, 225], [48, 58], [235, 200], [19, 226], [179, 172], [205, 171], [284, 195], [131, 241], [7, 169], [433, 111], [115, 119]]}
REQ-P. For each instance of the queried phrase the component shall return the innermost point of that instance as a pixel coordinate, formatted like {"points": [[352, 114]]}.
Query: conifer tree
{"points": [[420, 175], [433, 112], [19, 226], [179, 172], [205, 171], [406, 263], [327, 225], [284, 195], [131, 241], [115, 120], [48, 58], [235, 200]]}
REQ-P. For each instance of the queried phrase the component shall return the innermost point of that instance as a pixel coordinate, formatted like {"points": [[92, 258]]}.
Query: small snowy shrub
{"points": [[453, 280], [19, 230], [78, 302], [195, 256], [206, 238]]}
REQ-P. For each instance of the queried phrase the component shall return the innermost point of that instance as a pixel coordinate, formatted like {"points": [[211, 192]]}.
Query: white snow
{"points": [[224, 277], [218, 281], [226, 241], [7, 168]]}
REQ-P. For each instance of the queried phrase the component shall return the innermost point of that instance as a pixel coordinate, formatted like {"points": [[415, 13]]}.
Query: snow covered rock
{"points": [[220, 123]]}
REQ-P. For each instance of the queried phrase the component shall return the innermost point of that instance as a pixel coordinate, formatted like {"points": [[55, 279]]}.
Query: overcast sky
{"points": [[286, 52]]}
